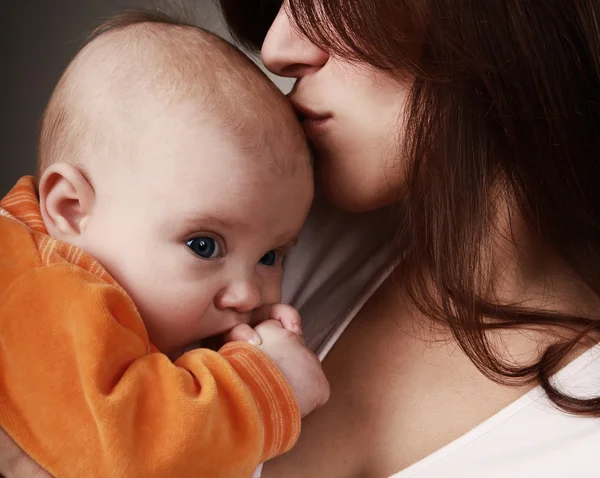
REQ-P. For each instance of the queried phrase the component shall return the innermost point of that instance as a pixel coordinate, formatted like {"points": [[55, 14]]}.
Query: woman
{"points": [[469, 349], [480, 120]]}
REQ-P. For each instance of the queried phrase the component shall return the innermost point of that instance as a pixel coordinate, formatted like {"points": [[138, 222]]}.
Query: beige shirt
{"points": [[338, 259]]}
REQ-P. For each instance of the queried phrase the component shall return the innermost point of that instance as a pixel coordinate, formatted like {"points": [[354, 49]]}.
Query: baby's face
{"points": [[195, 228]]}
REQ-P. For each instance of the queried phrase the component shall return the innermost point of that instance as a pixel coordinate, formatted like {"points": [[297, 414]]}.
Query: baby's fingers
{"points": [[286, 314], [243, 333]]}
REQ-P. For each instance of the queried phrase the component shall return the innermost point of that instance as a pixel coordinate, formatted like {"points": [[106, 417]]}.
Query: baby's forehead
{"points": [[234, 193], [255, 152]]}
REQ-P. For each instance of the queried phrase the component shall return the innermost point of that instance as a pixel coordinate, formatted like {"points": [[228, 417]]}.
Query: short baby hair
{"points": [[165, 58]]}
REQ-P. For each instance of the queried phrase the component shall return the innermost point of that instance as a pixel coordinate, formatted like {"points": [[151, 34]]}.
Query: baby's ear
{"points": [[66, 201]]}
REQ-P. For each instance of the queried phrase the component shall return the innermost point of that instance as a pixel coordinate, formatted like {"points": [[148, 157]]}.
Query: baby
{"points": [[172, 179]]}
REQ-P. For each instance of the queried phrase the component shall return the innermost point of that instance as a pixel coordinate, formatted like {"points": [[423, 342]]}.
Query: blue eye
{"points": [[205, 247], [269, 259]]}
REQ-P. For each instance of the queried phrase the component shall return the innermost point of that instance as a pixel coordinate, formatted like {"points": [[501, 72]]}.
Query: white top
{"points": [[340, 262]]}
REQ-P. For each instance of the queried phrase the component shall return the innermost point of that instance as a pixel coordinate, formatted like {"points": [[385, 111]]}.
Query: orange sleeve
{"points": [[84, 395]]}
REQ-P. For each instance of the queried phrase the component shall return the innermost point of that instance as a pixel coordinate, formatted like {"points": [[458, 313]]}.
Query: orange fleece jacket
{"points": [[84, 392]]}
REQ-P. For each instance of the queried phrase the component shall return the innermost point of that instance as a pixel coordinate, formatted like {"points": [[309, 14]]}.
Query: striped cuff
{"points": [[276, 403]]}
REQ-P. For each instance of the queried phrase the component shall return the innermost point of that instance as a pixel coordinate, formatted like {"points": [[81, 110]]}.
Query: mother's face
{"points": [[352, 115]]}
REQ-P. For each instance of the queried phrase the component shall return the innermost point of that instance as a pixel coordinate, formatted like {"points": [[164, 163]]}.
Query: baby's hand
{"points": [[286, 314], [281, 340]]}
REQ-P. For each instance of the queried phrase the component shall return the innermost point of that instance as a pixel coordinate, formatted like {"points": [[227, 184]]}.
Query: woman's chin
{"points": [[353, 197]]}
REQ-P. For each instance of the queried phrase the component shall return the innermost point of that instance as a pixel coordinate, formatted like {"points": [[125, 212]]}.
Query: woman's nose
{"points": [[241, 296], [286, 52]]}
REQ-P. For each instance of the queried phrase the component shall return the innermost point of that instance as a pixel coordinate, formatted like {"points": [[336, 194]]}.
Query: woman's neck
{"points": [[521, 272], [527, 273]]}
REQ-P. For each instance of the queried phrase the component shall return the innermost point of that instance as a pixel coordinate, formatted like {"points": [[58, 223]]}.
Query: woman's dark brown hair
{"points": [[506, 92]]}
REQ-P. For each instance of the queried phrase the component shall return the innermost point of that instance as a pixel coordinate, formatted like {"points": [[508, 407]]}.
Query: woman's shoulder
{"points": [[337, 256]]}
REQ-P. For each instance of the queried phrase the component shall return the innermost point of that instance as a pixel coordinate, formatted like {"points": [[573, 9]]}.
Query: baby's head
{"points": [[167, 155]]}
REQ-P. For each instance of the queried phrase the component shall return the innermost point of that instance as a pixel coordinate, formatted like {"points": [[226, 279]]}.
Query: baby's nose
{"points": [[242, 296]]}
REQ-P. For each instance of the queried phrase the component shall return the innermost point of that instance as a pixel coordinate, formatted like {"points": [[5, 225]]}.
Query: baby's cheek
{"points": [[271, 293], [173, 314]]}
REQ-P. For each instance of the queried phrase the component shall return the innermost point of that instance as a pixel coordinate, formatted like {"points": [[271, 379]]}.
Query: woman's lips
{"points": [[312, 121]]}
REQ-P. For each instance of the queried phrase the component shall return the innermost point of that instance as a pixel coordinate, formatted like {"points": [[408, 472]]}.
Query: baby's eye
{"points": [[205, 247], [269, 259]]}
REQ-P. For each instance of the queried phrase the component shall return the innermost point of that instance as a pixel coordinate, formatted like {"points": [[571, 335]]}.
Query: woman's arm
{"points": [[15, 463]]}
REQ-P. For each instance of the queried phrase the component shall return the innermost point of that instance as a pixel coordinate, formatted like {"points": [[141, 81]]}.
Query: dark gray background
{"points": [[38, 39]]}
